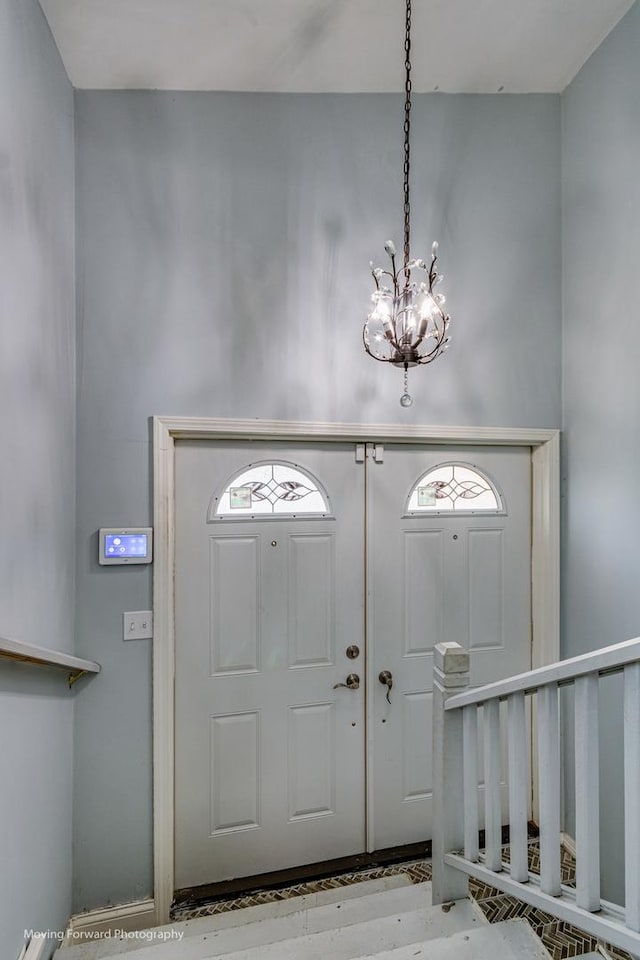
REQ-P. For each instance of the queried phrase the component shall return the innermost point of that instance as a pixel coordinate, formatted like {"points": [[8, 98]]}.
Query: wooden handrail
{"points": [[607, 660], [30, 653]]}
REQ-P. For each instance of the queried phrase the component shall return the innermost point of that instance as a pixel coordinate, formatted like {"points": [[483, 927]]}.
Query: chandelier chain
{"points": [[407, 325], [407, 146]]}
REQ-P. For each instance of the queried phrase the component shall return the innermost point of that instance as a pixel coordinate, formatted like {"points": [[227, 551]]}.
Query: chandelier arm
{"points": [[366, 345], [373, 355], [393, 273], [433, 354], [379, 359]]}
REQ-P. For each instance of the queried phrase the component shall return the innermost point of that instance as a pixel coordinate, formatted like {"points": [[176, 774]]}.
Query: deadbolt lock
{"points": [[353, 652]]}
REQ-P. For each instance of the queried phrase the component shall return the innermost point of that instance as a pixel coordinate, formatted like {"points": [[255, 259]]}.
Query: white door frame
{"points": [[545, 565]]}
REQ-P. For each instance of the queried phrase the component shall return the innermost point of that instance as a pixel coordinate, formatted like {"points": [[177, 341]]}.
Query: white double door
{"points": [[276, 765]]}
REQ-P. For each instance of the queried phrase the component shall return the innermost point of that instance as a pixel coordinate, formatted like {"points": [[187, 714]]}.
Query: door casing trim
{"points": [[545, 565]]}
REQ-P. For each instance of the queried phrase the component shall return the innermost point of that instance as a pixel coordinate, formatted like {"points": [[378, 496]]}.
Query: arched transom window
{"points": [[454, 488], [270, 489]]}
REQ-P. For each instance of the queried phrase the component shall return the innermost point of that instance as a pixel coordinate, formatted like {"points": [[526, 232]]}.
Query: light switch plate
{"points": [[137, 625]]}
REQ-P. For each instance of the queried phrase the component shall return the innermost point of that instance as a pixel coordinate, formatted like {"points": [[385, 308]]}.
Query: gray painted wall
{"points": [[183, 199], [223, 250], [601, 251], [37, 470]]}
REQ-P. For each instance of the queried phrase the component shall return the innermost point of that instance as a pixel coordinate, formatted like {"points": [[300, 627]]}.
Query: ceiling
{"points": [[472, 46]]}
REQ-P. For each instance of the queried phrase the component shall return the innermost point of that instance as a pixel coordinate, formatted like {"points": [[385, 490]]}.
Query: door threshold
{"points": [[211, 892]]}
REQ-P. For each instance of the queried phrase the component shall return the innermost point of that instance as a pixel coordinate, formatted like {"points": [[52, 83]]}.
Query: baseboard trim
{"points": [[137, 915]]}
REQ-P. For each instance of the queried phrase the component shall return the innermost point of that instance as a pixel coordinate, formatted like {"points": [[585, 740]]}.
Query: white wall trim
{"points": [[545, 575], [545, 552], [137, 915], [166, 430], [36, 949], [210, 428]]}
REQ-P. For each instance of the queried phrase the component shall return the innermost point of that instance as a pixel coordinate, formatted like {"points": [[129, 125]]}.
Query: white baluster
{"points": [[450, 675], [470, 774], [492, 799], [518, 787], [587, 793], [632, 794], [549, 789]]}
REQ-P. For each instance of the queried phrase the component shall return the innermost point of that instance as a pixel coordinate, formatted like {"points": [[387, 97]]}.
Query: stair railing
{"points": [[456, 797]]}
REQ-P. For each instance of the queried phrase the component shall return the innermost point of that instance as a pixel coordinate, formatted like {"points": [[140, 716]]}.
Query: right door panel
{"points": [[444, 574]]}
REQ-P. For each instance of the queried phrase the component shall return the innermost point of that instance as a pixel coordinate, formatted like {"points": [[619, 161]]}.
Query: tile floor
{"points": [[561, 939], [418, 871]]}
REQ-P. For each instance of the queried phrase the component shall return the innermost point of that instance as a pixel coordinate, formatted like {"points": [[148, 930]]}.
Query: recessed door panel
{"points": [[312, 761], [416, 748], [423, 582], [485, 550], [234, 582], [311, 599], [235, 787]]}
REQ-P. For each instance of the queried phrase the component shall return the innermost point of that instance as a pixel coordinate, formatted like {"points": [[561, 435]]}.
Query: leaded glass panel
{"points": [[454, 488], [271, 489]]}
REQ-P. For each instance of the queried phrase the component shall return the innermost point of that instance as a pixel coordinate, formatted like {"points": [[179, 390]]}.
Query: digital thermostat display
{"points": [[133, 545]]}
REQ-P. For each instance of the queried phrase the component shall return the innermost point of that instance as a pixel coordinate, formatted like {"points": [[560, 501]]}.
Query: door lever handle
{"points": [[386, 678], [353, 682]]}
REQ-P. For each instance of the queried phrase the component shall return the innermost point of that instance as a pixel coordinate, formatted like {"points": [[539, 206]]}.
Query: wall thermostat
{"points": [[130, 545]]}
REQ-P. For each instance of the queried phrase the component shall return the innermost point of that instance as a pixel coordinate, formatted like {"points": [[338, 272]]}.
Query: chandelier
{"points": [[407, 325]]}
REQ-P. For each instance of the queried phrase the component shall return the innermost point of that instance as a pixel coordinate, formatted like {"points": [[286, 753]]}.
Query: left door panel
{"points": [[269, 756]]}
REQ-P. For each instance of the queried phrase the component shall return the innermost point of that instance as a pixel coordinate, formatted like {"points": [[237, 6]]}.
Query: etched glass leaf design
{"points": [[454, 488], [272, 489]]}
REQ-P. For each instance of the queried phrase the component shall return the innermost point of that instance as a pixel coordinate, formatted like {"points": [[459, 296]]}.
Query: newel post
{"points": [[450, 675]]}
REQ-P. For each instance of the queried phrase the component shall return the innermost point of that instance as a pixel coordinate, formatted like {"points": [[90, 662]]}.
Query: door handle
{"points": [[386, 678], [353, 682]]}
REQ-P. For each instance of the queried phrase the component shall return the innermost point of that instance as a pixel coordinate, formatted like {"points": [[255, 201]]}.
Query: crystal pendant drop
{"points": [[406, 399]]}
